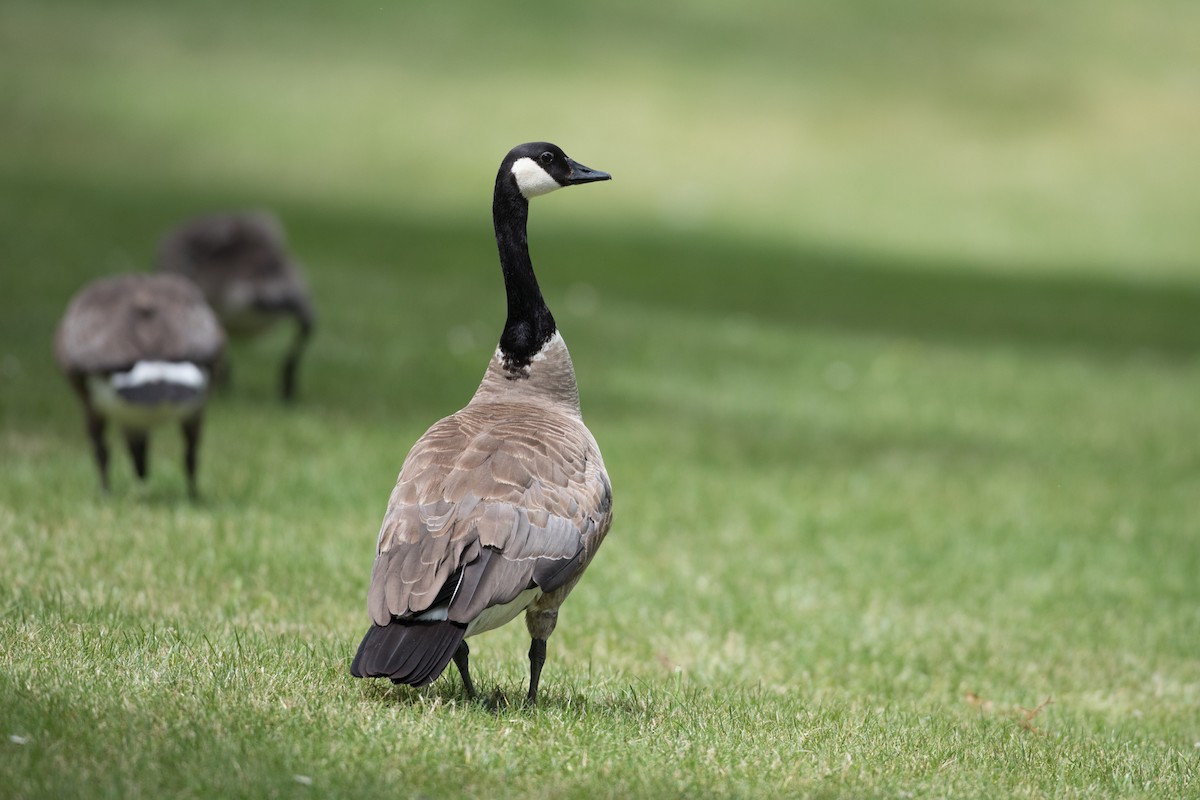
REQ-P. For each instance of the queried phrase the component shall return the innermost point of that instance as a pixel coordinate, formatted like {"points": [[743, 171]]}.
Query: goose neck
{"points": [[529, 325]]}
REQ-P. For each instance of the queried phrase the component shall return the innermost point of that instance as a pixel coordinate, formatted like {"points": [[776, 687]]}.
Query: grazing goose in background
{"points": [[139, 350], [241, 263], [500, 507]]}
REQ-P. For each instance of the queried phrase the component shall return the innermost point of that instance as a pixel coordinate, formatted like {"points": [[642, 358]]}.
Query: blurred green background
{"points": [[1018, 136], [887, 325]]}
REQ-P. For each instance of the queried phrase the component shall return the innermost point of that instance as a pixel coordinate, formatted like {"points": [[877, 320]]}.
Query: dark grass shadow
{"points": [[568, 695], [817, 286], [493, 699], [813, 288], [820, 286], [849, 290], [498, 698], [385, 281]]}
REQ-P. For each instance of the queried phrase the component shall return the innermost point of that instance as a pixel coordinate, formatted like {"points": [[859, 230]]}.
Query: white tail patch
{"points": [[532, 180], [106, 393], [435, 614], [183, 373], [438, 613]]}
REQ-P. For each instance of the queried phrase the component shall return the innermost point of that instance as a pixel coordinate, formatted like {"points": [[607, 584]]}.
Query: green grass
{"points": [[887, 327]]}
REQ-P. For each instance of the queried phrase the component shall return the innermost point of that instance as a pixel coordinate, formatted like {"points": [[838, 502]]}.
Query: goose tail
{"points": [[412, 652]]}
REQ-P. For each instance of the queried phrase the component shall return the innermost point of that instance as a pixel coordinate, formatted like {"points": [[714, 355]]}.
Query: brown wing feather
{"points": [[115, 322], [513, 495]]}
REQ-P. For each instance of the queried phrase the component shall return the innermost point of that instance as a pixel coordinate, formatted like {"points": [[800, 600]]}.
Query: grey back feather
{"points": [[114, 322]]}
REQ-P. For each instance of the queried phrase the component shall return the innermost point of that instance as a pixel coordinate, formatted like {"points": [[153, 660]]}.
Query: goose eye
{"points": [[547, 157]]}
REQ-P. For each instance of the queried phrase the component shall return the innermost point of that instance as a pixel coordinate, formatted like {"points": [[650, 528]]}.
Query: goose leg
{"points": [[95, 427], [540, 622], [292, 361], [460, 660], [137, 451], [537, 658], [191, 443]]}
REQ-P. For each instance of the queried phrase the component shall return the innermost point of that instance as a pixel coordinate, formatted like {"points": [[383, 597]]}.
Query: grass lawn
{"points": [[888, 327]]}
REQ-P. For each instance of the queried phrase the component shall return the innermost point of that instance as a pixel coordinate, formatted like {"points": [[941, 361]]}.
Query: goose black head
{"points": [[540, 167]]}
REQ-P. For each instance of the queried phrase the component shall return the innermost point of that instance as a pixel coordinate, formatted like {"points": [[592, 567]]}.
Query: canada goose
{"points": [[138, 350], [500, 507], [240, 261]]}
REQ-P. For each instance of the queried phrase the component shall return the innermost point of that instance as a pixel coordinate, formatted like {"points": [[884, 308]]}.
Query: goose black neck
{"points": [[530, 324]]}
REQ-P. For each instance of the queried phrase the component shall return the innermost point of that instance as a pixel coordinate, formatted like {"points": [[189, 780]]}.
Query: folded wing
{"points": [[490, 502]]}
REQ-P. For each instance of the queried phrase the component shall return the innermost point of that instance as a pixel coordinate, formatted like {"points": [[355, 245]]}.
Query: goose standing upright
{"points": [[500, 507], [139, 351]]}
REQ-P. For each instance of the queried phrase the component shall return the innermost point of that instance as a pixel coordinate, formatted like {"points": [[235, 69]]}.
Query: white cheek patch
{"points": [[532, 180]]}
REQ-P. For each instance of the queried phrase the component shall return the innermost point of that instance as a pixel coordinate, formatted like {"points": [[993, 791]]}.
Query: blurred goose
{"points": [[240, 261], [139, 351], [500, 507]]}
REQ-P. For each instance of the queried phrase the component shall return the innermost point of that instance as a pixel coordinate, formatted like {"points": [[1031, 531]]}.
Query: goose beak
{"points": [[582, 174]]}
